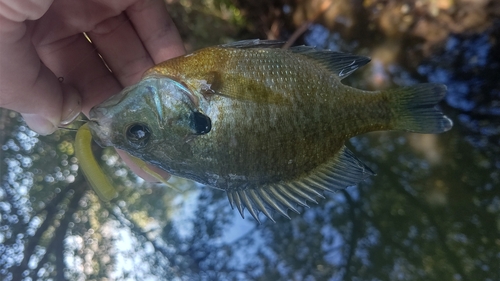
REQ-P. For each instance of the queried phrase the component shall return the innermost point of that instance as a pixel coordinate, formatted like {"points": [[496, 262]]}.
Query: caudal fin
{"points": [[414, 109]]}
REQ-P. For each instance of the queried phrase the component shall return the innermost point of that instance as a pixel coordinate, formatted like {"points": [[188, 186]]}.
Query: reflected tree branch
{"points": [[122, 216], [452, 258], [353, 239], [56, 245], [51, 212]]}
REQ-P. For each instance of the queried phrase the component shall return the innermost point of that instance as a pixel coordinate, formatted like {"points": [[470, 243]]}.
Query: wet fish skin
{"points": [[265, 124]]}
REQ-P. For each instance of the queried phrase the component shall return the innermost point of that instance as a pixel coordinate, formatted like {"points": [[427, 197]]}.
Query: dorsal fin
{"points": [[341, 64], [342, 171], [254, 43]]}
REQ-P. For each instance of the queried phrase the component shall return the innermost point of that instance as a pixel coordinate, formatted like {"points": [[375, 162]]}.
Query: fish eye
{"points": [[200, 123], [138, 134]]}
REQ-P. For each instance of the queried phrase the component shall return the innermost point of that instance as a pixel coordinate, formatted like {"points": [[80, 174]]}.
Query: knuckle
{"points": [[21, 10]]}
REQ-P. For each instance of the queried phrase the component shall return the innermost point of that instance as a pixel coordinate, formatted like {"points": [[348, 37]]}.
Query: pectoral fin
{"points": [[342, 171], [143, 166]]}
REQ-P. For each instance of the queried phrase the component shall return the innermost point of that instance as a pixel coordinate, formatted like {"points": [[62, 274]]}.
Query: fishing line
{"points": [[73, 126], [94, 50]]}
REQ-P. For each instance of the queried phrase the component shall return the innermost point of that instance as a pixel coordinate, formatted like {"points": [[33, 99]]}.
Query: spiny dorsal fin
{"points": [[342, 171], [341, 64], [254, 43]]}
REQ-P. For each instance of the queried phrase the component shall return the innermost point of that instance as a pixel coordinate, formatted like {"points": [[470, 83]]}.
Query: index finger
{"points": [[156, 29]]}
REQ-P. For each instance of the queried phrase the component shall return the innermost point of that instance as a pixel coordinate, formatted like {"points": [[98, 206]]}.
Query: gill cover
{"points": [[175, 105]]}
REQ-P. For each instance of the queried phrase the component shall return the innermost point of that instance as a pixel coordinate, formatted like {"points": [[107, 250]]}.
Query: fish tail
{"points": [[414, 109]]}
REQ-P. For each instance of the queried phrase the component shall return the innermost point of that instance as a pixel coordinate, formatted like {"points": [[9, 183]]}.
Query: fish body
{"points": [[266, 125]]}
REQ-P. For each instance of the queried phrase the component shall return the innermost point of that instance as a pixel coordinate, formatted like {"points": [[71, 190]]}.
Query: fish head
{"points": [[151, 119]]}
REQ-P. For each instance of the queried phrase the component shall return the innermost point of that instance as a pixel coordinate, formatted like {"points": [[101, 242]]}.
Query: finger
{"points": [[26, 85], [156, 29], [76, 60], [72, 104], [121, 48], [71, 108], [21, 10]]}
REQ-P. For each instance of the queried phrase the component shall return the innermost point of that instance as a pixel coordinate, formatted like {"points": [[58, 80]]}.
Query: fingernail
{"points": [[39, 124], [72, 106]]}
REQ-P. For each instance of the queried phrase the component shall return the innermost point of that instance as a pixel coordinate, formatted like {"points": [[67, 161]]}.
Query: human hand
{"points": [[43, 40]]}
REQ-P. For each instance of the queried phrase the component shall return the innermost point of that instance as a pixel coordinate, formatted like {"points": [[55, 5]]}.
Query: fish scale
{"points": [[264, 124]]}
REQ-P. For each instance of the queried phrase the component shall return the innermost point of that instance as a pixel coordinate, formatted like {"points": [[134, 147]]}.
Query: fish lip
{"points": [[100, 126], [101, 133]]}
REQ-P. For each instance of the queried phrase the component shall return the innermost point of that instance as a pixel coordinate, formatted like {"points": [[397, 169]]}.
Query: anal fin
{"points": [[342, 171]]}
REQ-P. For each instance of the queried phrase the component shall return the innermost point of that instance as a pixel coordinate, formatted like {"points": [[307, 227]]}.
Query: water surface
{"points": [[431, 213]]}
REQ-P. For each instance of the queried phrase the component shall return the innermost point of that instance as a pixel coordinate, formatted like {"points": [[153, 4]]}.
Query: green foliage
{"points": [[198, 21]]}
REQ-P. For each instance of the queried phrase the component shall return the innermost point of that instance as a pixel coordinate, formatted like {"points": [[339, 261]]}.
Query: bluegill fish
{"points": [[265, 124]]}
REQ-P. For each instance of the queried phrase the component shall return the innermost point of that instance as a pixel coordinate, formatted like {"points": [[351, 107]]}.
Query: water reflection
{"points": [[469, 66], [431, 213]]}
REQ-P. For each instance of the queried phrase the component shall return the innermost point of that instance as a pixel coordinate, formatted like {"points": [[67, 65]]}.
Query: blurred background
{"points": [[431, 213]]}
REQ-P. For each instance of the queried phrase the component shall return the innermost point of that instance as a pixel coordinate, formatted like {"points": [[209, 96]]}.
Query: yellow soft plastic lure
{"points": [[91, 169], [93, 172]]}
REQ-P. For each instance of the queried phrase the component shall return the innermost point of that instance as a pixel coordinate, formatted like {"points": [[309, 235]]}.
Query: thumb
{"points": [[71, 108]]}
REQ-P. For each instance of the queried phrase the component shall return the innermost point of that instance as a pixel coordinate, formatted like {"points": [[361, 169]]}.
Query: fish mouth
{"points": [[101, 132]]}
